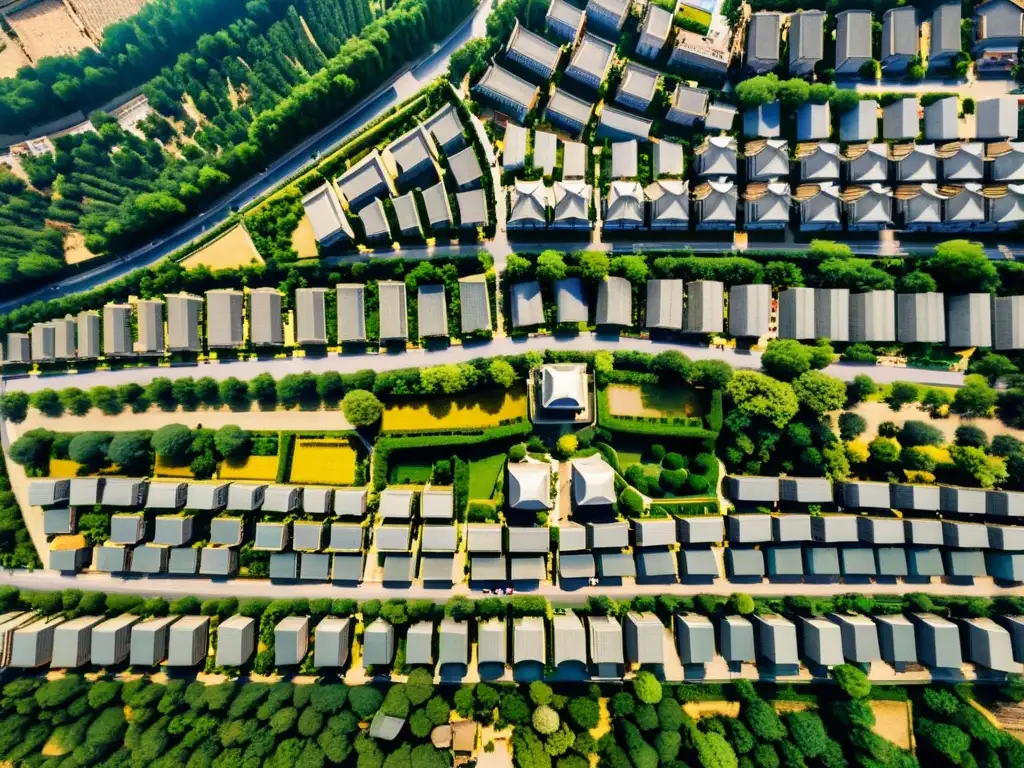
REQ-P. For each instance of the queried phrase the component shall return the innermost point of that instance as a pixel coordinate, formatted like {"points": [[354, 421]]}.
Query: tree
{"points": [[851, 425], [502, 373], [975, 398], [786, 359], [672, 366], [419, 686], [755, 91], [90, 449], [540, 693], [843, 101], [365, 701], [633, 268], [741, 603], [567, 445], [48, 403], [173, 442], [594, 266], [584, 712], [975, 465], [362, 408], [961, 266], [970, 436], [902, 393], [884, 450], [647, 687], [449, 379], [545, 720], [852, 681], [860, 388], [14, 406], [920, 433], [263, 389], [819, 393], [917, 282], [808, 733], [438, 711], [234, 393], [755, 394], [551, 267], [667, 744], [783, 274], [232, 442], [993, 367], [714, 751], [32, 448]]}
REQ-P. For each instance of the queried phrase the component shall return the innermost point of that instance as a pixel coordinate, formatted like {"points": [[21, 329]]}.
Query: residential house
{"points": [[625, 207], [873, 317], [860, 123], [527, 305], [368, 179], [510, 93], [998, 32], [963, 208], [150, 318], [962, 161], [568, 112], [88, 338], [749, 310], [412, 157], [529, 203], [901, 119], [326, 215], [472, 209], [853, 42], [806, 42], [670, 204], [614, 302], [617, 125], [266, 325], [183, 313], [608, 16], [716, 156], [900, 39], [532, 52], [572, 205], [867, 208], [1005, 206], [1008, 331], [813, 121], [996, 118], [969, 320], [941, 120], [767, 160], [637, 87], [513, 156], [766, 205], [944, 49], [763, 36], [688, 105], [668, 159], [915, 163], [225, 318], [375, 221], [117, 330], [654, 32], [704, 54], [351, 313], [446, 128], [764, 121], [818, 161], [819, 206], [545, 151], [591, 61], [714, 205], [564, 20], [431, 311], [665, 304], [393, 311]]}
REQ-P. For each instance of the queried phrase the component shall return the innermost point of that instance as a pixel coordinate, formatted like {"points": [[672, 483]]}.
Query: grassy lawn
{"points": [[653, 401], [325, 461], [409, 474], [694, 14], [483, 475], [479, 410], [884, 390]]}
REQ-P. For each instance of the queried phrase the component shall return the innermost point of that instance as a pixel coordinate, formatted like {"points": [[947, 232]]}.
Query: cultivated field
{"points": [[253, 468], [324, 461], [475, 411], [12, 58], [232, 249], [47, 29], [97, 15], [653, 401]]}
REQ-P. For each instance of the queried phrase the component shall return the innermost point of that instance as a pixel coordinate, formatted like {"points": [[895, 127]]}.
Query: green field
{"points": [[409, 474], [483, 475]]}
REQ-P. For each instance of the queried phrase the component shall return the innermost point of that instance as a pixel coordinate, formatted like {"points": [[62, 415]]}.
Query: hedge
{"points": [[285, 452]]}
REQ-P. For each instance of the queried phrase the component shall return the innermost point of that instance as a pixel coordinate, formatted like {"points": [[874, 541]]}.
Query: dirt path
{"points": [[155, 418], [877, 412]]}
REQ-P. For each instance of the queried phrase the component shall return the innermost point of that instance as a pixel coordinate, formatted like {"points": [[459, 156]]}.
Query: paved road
{"points": [[585, 342], [204, 588], [428, 68]]}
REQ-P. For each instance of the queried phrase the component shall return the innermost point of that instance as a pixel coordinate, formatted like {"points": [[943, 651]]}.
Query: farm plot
{"points": [[476, 411], [232, 249], [253, 468], [323, 461], [893, 722], [653, 401], [12, 58], [47, 29], [97, 15]]}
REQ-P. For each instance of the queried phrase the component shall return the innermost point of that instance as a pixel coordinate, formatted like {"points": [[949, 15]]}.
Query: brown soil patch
{"points": [[791, 706], [699, 709], [75, 251], [892, 722], [877, 412], [232, 249], [651, 402], [47, 29], [303, 239], [12, 58]]}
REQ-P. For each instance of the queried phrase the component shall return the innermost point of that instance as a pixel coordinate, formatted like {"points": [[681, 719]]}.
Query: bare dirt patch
{"points": [[791, 706], [12, 58], [652, 401], [232, 249], [892, 722], [47, 29], [75, 251], [699, 709], [303, 239], [877, 412]]}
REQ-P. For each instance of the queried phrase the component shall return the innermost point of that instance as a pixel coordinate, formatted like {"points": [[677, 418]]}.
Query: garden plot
{"points": [[476, 411], [47, 29], [893, 722], [484, 474], [97, 15], [253, 468], [653, 401], [323, 461], [232, 249]]}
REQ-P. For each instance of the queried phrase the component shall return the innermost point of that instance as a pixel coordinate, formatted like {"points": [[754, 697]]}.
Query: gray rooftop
{"points": [[474, 304], [737, 639], [777, 639], [432, 311], [528, 640], [697, 564], [393, 310], [745, 562], [941, 120], [569, 639]]}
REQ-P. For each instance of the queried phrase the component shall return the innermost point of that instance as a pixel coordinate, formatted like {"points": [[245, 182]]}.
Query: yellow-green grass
{"points": [[694, 14], [162, 469], [232, 249], [476, 411], [409, 474], [883, 391], [253, 468], [63, 468], [323, 461], [653, 401], [483, 475]]}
